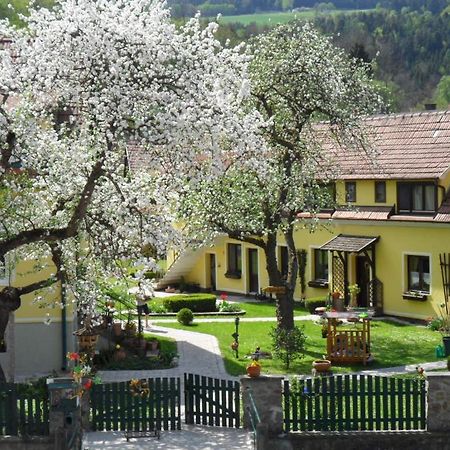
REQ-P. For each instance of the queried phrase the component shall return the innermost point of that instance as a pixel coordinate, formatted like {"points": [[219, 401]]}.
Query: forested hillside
{"points": [[185, 8], [410, 49]]}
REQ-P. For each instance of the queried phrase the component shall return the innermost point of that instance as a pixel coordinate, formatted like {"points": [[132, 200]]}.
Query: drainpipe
{"points": [[64, 322]]}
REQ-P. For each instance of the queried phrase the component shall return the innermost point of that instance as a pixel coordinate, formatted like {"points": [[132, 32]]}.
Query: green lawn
{"points": [[392, 344], [274, 18]]}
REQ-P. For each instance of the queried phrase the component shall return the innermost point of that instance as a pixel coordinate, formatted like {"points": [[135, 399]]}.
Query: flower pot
{"points": [[254, 371], [117, 328], [87, 341], [446, 342], [153, 345], [338, 304], [321, 365], [119, 354]]}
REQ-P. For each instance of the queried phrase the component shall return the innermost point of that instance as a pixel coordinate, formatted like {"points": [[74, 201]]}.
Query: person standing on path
{"points": [[143, 295]]}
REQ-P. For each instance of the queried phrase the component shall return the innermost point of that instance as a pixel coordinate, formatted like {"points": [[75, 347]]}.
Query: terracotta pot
{"points": [[120, 354], [253, 371], [322, 365], [117, 328]]}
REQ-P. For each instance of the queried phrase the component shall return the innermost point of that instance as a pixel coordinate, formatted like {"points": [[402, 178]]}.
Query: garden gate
{"points": [[154, 404], [354, 402], [211, 401]]}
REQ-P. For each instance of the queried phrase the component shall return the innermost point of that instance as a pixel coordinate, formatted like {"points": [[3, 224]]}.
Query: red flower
{"points": [[73, 356], [223, 296], [87, 384]]}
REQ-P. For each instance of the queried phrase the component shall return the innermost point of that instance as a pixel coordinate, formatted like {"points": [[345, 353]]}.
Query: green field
{"points": [[275, 18]]}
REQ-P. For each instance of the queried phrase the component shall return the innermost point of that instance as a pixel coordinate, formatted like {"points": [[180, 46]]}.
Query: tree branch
{"points": [[50, 235]]}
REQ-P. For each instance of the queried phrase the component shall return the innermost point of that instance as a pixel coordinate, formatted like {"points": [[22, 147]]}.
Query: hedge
{"points": [[313, 303], [195, 302]]}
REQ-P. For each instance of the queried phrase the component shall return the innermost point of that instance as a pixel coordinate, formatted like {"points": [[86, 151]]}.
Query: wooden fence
{"points": [[352, 402], [114, 406], [24, 410], [211, 401]]}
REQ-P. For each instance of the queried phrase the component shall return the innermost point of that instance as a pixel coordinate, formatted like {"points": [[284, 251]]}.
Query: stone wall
{"points": [[362, 440], [266, 393], [34, 443], [438, 402]]}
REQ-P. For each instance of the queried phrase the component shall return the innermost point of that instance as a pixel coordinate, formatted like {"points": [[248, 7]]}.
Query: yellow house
{"points": [[386, 237], [39, 333]]}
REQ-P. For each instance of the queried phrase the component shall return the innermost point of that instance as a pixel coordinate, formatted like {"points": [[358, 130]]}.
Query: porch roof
{"points": [[349, 244]]}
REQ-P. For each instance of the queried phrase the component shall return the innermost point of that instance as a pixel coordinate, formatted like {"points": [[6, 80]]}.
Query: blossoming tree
{"points": [[80, 83], [298, 79]]}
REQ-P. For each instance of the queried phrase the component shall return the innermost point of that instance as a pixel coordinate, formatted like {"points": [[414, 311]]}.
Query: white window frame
{"points": [[406, 274], [312, 263]]}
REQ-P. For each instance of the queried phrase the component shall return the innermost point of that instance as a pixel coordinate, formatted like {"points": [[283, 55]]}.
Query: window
{"points": [[350, 191], [380, 191], [416, 197], [284, 261], [419, 273], [321, 265], [234, 260]]}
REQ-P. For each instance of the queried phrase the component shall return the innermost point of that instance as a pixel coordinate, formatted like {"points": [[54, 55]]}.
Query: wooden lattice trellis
{"points": [[338, 275]]}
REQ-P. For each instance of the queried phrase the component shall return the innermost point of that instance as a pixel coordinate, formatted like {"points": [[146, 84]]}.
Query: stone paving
{"points": [[198, 353], [190, 438]]}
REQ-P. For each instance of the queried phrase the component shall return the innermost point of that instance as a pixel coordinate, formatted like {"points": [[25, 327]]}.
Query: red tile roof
{"points": [[409, 146]]}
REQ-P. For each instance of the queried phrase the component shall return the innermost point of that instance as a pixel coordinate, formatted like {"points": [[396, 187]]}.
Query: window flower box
{"points": [[318, 284], [415, 295], [234, 275]]}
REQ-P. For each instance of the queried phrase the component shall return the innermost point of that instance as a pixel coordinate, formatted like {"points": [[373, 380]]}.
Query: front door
{"points": [[212, 271], [253, 282], [363, 279]]}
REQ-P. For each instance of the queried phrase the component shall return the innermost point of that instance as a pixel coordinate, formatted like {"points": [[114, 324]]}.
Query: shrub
{"points": [[225, 306], [288, 344], [195, 302], [185, 316], [156, 307], [312, 303], [435, 323]]}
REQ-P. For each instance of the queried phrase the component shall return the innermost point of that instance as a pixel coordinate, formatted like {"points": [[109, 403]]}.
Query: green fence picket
{"points": [[352, 402]]}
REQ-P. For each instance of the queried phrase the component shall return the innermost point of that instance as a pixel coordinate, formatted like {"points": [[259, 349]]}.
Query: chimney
{"points": [[430, 106]]}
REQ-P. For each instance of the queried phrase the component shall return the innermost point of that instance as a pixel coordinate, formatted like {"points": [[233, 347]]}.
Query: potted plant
{"points": [[445, 327], [254, 369], [321, 365], [117, 328], [130, 328], [120, 353], [354, 290], [153, 344], [337, 301]]}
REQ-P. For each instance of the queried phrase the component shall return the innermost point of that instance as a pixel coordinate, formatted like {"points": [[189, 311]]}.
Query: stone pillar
{"points": [[438, 401], [266, 394], [65, 413]]}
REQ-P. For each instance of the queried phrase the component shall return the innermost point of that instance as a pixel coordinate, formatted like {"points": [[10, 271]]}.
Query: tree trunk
{"points": [[285, 302], [9, 302]]}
